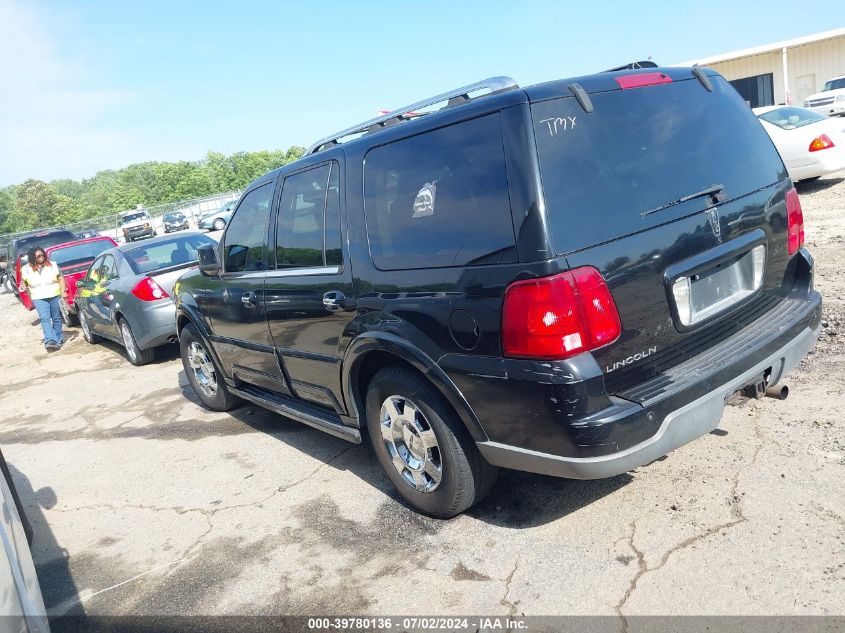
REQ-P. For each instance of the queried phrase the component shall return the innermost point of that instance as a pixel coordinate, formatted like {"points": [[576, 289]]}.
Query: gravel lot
{"points": [[145, 503]]}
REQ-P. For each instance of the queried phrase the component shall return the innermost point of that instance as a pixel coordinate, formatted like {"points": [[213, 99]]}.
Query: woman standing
{"points": [[45, 283]]}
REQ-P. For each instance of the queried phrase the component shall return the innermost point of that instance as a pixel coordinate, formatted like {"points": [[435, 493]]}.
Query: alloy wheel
{"points": [[203, 369], [129, 341], [86, 327], [411, 443]]}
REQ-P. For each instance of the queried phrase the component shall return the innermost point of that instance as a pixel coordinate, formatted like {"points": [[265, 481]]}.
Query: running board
{"points": [[321, 420]]}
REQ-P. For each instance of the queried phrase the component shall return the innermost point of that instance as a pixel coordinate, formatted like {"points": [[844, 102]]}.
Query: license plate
{"points": [[705, 294]]}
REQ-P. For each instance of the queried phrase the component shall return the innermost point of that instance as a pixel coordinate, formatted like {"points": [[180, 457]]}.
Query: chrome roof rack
{"points": [[406, 113]]}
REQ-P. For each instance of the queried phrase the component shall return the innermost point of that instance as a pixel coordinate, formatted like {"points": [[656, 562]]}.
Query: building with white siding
{"points": [[783, 72]]}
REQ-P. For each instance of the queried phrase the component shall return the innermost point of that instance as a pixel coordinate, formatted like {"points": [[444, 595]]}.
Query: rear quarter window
{"points": [[440, 199]]}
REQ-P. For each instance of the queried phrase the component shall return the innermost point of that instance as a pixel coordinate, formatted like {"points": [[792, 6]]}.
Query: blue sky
{"points": [[91, 85]]}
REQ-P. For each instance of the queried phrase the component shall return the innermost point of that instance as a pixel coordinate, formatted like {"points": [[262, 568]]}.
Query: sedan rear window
{"points": [[166, 254], [79, 253], [791, 118]]}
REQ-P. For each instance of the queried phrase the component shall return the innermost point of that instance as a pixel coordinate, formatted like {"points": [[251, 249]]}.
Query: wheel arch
{"points": [[187, 314], [371, 351]]}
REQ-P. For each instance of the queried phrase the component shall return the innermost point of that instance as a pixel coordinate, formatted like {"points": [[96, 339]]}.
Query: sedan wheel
{"points": [[137, 356], [219, 224], [87, 332], [67, 318]]}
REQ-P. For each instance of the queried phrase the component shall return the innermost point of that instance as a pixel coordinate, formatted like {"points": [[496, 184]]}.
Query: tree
{"points": [[41, 205], [35, 203]]}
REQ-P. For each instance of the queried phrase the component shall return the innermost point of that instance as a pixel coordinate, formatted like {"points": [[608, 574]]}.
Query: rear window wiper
{"points": [[713, 191]]}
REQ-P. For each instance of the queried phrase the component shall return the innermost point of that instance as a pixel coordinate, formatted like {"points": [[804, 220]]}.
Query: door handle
{"points": [[248, 299], [335, 300]]}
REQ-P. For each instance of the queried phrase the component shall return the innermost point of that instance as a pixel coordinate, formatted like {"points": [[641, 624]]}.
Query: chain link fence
{"points": [[109, 225]]}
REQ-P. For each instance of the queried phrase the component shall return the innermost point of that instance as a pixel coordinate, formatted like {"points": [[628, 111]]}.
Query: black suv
{"points": [[568, 279]]}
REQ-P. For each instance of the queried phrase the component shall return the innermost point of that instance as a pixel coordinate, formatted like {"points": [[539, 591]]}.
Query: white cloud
{"points": [[51, 117]]}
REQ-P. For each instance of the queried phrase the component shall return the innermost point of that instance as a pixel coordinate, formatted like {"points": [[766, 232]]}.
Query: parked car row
{"points": [[125, 295]]}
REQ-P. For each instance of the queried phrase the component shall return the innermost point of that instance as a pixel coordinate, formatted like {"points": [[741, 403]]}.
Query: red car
{"points": [[73, 258]]}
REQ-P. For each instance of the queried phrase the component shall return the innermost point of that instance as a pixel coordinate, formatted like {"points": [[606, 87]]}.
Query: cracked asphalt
{"points": [[144, 503]]}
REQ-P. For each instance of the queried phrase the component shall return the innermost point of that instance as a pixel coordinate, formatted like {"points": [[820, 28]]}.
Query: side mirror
{"points": [[207, 256]]}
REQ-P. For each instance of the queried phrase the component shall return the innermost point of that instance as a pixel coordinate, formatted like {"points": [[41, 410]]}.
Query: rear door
{"points": [[308, 297], [666, 189], [235, 304]]}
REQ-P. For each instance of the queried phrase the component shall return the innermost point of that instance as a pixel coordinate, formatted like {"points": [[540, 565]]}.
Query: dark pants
{"points": [[51, 319]]}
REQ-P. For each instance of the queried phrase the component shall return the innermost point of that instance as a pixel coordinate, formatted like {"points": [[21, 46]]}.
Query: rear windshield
{"points": [[641, 149], [791, 118], [160, 255], [834, 84], [141, 215], [79, 253], [171, 217]]}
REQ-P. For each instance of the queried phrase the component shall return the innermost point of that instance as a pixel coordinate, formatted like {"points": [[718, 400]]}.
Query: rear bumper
{"points": [[679, 427], [557, 417], [819, 164], [154, 326]]}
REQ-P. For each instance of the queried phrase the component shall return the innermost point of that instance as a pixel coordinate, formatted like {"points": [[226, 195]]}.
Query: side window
{"points": [[96, 268], [333, 248], [440, 199], [245, 245], [110, 268], [308, 229]]}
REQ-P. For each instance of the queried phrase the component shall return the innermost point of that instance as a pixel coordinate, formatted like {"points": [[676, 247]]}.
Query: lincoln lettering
{"points": [[631, 359]]}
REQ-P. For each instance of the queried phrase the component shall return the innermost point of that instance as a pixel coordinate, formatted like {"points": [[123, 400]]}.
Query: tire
{"points": [[135, 354], [68, 319], [203, 373], [408, 444], [87, 332], [8, 284], [219, 224]]}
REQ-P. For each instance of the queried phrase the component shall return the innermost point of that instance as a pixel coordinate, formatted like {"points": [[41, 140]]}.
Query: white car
{"points": [[831, 100], [810, 144]]}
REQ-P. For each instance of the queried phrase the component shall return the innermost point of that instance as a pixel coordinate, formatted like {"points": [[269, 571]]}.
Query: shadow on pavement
{"points": [[811, 186], [52, 562], [518, 500]]}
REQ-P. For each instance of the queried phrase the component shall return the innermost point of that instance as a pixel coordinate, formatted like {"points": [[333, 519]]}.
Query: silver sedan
{"points": [[125, 295]]}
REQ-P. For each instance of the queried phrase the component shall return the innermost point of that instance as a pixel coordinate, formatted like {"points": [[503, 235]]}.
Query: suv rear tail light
{"points": [[821, 142], [794, 222], [560, 316], [148, 290]]}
